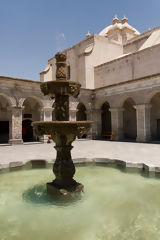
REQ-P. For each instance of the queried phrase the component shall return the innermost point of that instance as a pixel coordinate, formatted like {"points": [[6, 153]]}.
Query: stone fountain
{"points": [[62, 130]]}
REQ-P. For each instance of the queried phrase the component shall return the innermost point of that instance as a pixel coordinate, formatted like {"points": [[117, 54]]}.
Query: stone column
{"points": [[97, 123], [117, 122], [72, 114], [89, 114], [72, 109], [15, 126], [45, 115], [143, 122]]}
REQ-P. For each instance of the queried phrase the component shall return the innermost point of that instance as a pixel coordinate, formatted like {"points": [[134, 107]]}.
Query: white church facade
{"points": [[119, 73]]}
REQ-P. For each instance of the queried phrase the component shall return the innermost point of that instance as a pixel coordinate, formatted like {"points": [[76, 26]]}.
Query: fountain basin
{"points": [[116, 205], [76, 128], [63, 134]]}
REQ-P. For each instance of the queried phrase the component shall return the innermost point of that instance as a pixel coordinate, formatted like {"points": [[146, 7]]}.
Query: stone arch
{"points": [[81, 112], [85, 103], [105, 120], [100, 102], [129, 119], [5, 103], [31, 112], [22, 100], [151, 95], [11, 101], [123, 99], [155, 115]]}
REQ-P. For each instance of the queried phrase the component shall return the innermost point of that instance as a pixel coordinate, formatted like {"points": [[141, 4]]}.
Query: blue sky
{"points": [[32, 31]]}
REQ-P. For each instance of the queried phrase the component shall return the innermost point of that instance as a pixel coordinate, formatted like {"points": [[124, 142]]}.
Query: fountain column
{"points": [[62, 130]]}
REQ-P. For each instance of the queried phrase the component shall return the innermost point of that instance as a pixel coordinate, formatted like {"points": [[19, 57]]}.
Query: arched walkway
{"points": [[155, 117], [129, 120], [4, 119], [81, 114], [106, 120], [31, 112]]}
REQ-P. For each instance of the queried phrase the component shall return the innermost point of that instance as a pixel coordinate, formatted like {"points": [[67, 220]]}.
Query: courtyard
{"points": [[134, 154]]}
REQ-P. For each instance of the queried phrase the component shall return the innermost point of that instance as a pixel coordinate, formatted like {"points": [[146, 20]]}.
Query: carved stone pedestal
{"points": [[67, 191]]}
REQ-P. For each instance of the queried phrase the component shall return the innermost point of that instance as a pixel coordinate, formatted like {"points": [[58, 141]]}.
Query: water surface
{"points": [[115, 205]]}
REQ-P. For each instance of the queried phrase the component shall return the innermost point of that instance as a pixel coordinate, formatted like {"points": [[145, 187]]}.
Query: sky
{"points": [[32, 31]]}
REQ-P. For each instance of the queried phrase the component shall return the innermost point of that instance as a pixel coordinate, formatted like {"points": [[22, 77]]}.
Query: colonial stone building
{"points": [[119, 70]]}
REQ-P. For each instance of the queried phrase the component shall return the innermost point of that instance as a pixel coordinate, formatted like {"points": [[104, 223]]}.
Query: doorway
{"points": [[27, 130], [158, 129], [4, 131]]}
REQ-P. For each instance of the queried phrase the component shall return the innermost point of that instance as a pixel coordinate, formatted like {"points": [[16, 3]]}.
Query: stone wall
{"points": [[137, 65]]}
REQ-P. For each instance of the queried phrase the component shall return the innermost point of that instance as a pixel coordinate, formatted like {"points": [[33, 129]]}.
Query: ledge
{"points": [[142, 168]]}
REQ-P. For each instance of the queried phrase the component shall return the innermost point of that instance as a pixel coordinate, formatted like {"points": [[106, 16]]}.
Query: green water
{"points": [[114, 206]]}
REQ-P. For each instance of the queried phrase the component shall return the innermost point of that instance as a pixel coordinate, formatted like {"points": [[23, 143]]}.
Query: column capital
{"points": [[142, 106], [14, 108], [45, 109], [116, 109], [97, 110], [73, 110], [88, 111]]}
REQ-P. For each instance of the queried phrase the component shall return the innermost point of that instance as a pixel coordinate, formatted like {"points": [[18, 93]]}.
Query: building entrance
{"points": [[27, 131], [4, 131], [158, 129]]}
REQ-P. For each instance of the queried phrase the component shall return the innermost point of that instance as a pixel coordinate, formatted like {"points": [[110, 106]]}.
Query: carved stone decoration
{"points": [[44, 88], [61, 87], [61, 66], [62, 108], [74, 90], [62, 131]]}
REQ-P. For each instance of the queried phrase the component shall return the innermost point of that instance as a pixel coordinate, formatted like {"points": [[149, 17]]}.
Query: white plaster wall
{"points": [[104, 50], [133, 46], [47, 74], [137, 65], [82, 63]]}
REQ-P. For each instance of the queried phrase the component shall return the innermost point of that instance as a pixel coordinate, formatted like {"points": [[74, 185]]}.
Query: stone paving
{"points": [[148, 154]]}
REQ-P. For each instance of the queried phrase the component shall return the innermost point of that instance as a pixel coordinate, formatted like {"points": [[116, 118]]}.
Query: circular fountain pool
{"points": [[115, 205]]}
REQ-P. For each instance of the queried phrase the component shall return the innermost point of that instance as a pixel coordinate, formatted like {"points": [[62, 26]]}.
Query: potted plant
{"points": [[113, 136]]}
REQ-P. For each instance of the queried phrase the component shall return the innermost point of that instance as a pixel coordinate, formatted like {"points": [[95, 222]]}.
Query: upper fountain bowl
{"points": [[63, 87]]}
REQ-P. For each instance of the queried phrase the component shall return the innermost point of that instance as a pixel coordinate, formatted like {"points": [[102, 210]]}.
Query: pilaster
{"points": [[15, 125], [72, 109], [117, 122], [97, 123], [45, 115], [143, 122], [72, 114], [89, 114]]}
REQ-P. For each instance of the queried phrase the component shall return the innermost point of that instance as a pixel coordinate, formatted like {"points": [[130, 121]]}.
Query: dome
{"points": [[116, 24]]}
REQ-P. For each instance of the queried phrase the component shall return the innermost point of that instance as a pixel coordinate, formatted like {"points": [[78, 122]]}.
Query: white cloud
{"points": [[61, 41]]}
